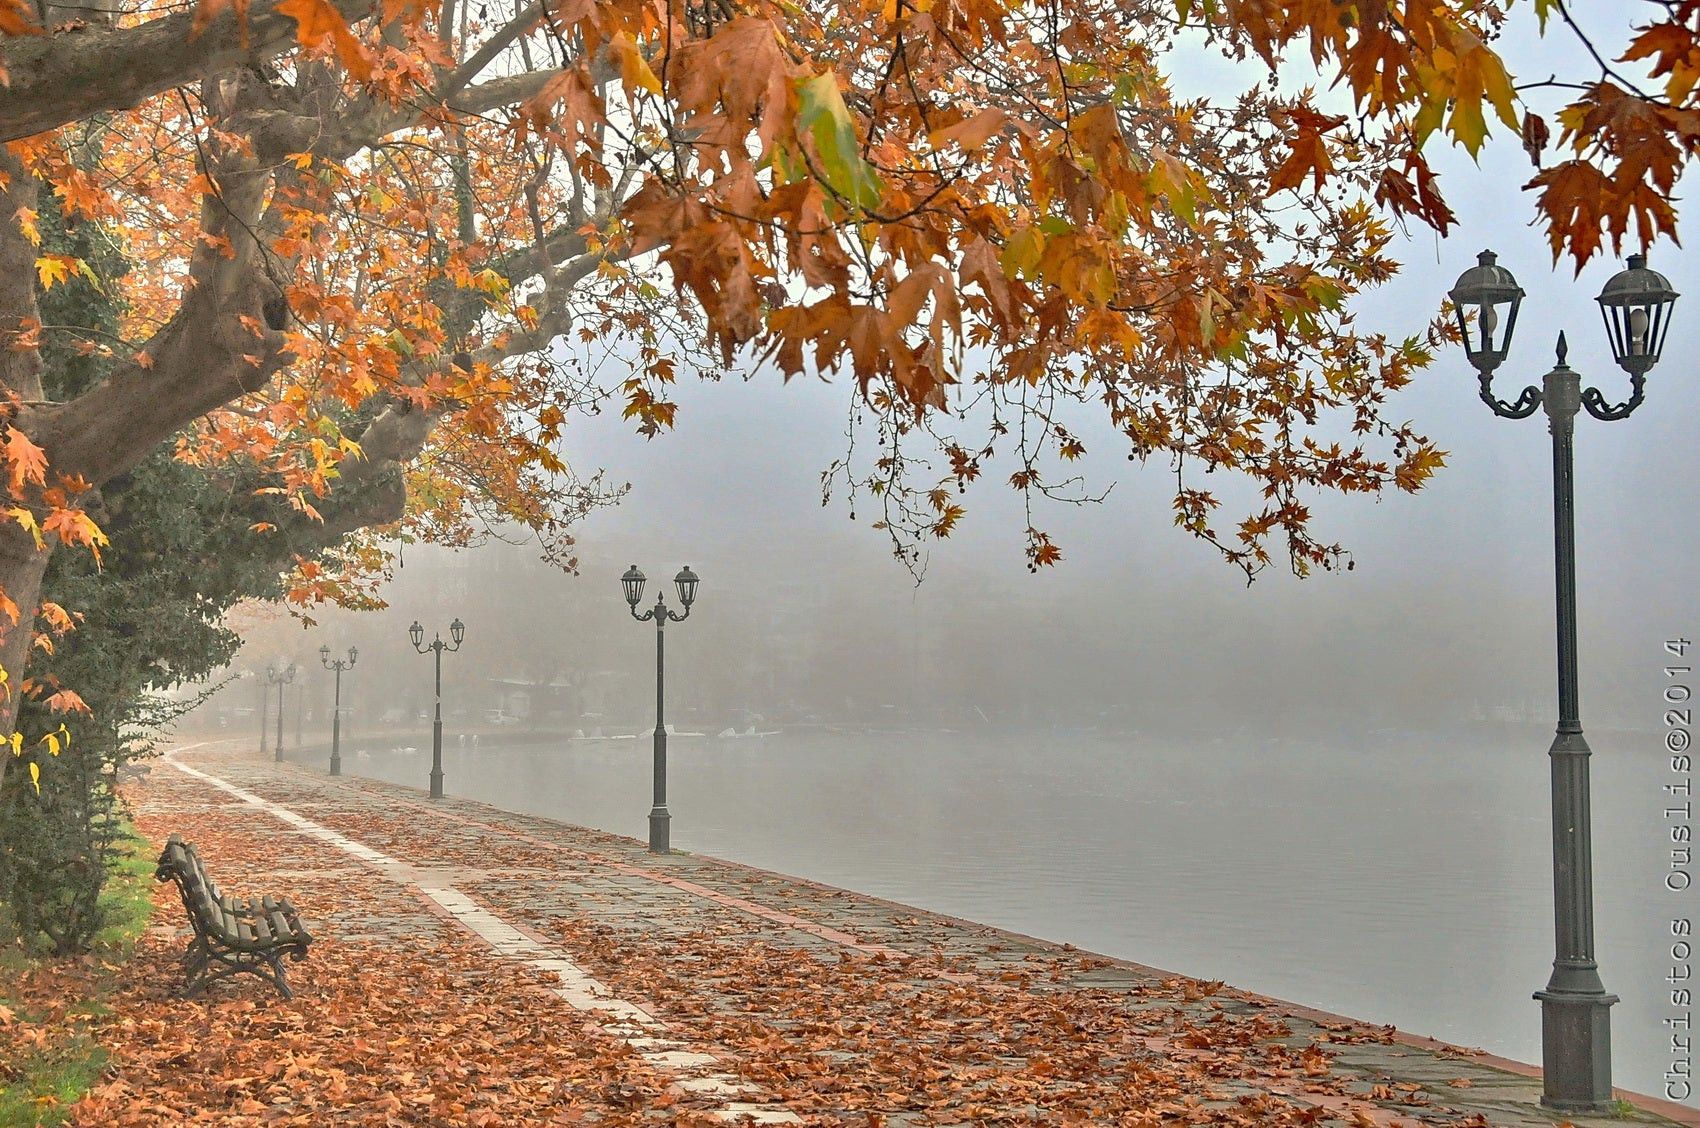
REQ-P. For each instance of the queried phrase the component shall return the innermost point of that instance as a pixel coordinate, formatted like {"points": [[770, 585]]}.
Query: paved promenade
{"points": [[473, 966]]}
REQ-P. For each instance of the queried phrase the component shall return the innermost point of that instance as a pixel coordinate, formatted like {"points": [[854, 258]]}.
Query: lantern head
{"points": [[417, 634], [1487, 297], [1636, 305], [686, 581], [457, 631], [633, 581]]}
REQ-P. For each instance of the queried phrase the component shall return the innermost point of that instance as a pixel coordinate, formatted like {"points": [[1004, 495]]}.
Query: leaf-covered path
{"points": [[476, 967]]}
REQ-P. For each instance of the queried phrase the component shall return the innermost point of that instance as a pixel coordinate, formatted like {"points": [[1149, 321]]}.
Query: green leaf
{"points": [[824, 116], [1021, 252]]}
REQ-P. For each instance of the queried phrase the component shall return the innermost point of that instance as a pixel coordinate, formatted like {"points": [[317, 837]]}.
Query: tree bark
{"points": [[67, 75], [21, 564]]}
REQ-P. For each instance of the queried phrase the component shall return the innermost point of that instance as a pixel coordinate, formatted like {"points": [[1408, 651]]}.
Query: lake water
{"points": [[1395, 879]]}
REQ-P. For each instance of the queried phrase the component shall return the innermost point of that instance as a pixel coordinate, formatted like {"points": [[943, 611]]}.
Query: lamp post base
{"points": [[436, 783], [336, 764], [1576, 1050], [660, 831]]}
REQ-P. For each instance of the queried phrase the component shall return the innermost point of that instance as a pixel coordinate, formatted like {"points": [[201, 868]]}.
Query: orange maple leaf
{"points": [[73, 526], [1575, 197], [68, 701], [27, 462], [317, 21], [1309, 152], [206, 11], [17, 18]]}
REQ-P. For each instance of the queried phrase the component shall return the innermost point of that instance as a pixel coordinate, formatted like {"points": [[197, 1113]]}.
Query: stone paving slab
{"points": [[538, 881]]}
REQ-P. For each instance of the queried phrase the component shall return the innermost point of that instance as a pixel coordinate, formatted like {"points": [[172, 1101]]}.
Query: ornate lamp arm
{"points": [[1596, 403], [1527, 403]]}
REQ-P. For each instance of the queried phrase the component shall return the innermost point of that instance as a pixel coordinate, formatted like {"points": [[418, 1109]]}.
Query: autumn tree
{"points": [[149, 616], [360, 234]]}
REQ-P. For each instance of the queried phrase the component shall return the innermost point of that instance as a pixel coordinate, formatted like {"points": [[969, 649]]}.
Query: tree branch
{"points": [[70, 74]]}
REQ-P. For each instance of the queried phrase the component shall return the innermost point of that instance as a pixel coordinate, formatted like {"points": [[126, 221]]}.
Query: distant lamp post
{"points": [[1636, 303], [265, 701], [660, 820], [279, 678], [457, 631], [336, 707]]}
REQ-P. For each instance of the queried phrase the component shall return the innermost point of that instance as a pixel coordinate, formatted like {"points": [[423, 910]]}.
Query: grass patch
{"points": [[48, 1055]]}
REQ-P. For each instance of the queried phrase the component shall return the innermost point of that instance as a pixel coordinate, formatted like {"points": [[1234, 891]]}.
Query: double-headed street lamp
{"points": [[336, 708], [686, 581], [1575, 1008], [457, 631], [279, 678]]}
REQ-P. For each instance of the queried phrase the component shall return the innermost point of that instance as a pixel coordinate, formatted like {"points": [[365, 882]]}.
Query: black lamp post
{"points": [[457, 631], [279, 678], [686, 581], [1575, 1008], [336, 707]]}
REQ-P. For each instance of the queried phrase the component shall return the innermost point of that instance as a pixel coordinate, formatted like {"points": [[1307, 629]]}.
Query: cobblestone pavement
{"points": [[788, 1001]]}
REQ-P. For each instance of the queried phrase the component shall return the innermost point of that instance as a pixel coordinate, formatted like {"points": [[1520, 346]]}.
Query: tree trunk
{"points": [[22, 564]]}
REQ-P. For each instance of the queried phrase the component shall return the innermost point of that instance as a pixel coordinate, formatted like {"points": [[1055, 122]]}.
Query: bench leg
{"points": [[207, 965]]}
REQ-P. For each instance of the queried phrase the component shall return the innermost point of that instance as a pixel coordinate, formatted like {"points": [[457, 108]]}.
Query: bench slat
{"points": [[262, 927]]}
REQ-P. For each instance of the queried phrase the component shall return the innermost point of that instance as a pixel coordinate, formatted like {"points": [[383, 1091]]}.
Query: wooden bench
{"points": [[231, 935]]}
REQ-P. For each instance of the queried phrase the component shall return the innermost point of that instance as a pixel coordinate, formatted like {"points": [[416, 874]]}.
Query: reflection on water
{"points": [[1396, 882]]}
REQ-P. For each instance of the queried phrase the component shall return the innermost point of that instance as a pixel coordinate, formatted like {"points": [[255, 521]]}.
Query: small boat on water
{"points": [[747, 734]]}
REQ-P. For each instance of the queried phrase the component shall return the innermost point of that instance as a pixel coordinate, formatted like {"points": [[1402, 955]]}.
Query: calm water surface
{"points": [[1396, 881]]}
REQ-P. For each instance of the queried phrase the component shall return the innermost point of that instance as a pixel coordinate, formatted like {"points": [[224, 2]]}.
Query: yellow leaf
{"points": [[634, 69], [27, 519], [26, 224], [35, 776], [52, 269]]}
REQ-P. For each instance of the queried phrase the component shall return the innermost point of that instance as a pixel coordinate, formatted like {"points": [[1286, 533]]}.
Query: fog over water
{"points": [[1332, 790]]}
